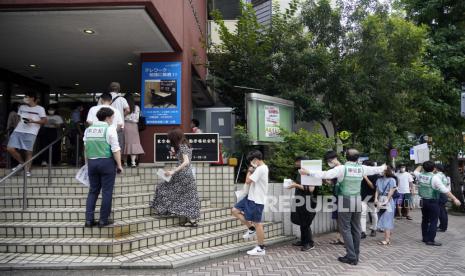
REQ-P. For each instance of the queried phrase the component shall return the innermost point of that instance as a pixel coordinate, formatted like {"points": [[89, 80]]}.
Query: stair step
{"points": [[199, 255], [217, 238], [74, 189], [34, 180], [151, 243], [77, 213], [73, 200], [119, 229]]}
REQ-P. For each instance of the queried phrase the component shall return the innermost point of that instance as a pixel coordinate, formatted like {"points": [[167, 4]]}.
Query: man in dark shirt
{"points": [[367, 192]]}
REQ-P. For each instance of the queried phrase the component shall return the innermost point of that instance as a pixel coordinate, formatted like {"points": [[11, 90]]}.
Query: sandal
{"points": [[408, 218], [384, 243], [337, 242], [190, 224]]}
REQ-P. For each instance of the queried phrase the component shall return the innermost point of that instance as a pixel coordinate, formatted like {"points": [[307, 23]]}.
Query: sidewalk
{"points": [[406, 256]]}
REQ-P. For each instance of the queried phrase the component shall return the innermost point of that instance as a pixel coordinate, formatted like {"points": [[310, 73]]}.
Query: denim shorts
{"points": [[20, 140], [252, 211]]}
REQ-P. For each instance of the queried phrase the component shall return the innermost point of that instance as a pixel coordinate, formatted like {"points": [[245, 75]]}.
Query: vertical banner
{"points": [[161, 93], [271, 121]]}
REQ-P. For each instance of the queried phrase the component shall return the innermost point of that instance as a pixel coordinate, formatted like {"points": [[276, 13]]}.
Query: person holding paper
{"points": [[303, 207], [103, 158], [430, 188], [250, 209], [178, 195], [350, 176]]}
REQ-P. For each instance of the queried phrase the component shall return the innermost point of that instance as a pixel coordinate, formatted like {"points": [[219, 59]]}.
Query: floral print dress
{"points": [[179, 196]]}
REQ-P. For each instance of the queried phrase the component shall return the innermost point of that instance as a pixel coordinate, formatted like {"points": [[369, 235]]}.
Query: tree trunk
{"points": [[324, 128], [456, 181]]}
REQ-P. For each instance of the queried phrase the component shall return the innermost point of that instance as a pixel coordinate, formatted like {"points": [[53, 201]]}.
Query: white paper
{"points": [[287, 183], [421, 153], [220, 122], [161, 174], [242, 192], [83, 176], [311, 166]]}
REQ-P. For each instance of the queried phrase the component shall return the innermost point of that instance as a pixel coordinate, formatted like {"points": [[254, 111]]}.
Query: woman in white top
{"points": [[132, 144]]}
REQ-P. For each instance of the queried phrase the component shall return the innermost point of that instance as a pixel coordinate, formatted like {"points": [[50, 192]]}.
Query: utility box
{"points": [[217, 120], [266, 116]]}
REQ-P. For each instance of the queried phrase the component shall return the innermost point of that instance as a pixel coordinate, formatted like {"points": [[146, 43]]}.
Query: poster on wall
{"points": [[205, 147], [271, 121], [161, 93]]}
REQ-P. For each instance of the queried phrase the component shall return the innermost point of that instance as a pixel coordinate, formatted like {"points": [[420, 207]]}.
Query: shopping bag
{"points": [[83, 176], [241, 194]]}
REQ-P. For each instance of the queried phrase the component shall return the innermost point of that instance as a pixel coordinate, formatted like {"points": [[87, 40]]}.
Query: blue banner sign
{"points": [[161, 93]]}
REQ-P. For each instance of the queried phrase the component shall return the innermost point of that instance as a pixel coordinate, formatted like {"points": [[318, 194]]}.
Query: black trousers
{"points": [[429, 220], [443, 219], [306, 235], [46, 136]]}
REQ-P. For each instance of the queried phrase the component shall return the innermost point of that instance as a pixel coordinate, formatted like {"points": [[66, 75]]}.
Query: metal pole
{"points": [[239, 169], [49, 164], [24, 189], [77, 150]]}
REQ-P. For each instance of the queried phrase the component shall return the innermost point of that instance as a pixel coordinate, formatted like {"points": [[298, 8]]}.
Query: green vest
{"points": [[351, 184], [426, 189], [96, 141]]}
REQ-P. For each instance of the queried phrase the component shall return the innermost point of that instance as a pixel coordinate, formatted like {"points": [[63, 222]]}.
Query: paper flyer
{"points": [[311, 166]]}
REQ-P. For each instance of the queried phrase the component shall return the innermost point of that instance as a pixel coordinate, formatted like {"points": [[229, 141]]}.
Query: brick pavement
{"points": [[406, 256]]}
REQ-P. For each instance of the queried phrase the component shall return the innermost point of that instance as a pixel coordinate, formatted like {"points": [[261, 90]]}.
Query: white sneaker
{"points": [[257, 251], [43, 164], [28, 174], [15, 168], [249, 234]]}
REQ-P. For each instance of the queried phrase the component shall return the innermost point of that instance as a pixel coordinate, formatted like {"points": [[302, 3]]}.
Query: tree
{"points": [[446, 52]]}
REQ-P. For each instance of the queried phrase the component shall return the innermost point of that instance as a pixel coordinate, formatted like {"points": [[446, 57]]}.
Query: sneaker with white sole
{"points": [[28, 174], [15, 168], [250, 234], [257, 251], [43, 164]]}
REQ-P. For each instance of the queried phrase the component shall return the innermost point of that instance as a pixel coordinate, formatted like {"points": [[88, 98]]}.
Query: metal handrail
{"points": [[21, 167]]}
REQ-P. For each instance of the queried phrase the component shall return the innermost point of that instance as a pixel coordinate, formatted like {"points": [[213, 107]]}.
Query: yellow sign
{"points": [[344, 135]]}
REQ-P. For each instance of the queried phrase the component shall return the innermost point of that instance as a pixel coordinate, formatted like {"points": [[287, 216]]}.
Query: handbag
{"points": [[382, 210]]}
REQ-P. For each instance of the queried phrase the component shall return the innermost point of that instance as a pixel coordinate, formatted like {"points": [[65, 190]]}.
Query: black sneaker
{"points": [[105, 223], [347, 261], [433, 243], [441, 230], [297, 243], [89, 224], [363, 235], [307, 247], [373, 233]]}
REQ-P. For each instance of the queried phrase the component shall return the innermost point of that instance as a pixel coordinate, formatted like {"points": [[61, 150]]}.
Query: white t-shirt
{"points": [[134, 115], [259, 188], [120, 104], [405, 179], [35, 113], [92, 116]]}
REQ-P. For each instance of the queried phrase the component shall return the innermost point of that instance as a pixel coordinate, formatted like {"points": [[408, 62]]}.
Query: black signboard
{"points": [[205, 147]]}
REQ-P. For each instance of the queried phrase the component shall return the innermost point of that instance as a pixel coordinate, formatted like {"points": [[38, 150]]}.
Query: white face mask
{"points": [[51, 112], [253, 164], [26, 100], [402, 170], [331, 164]]}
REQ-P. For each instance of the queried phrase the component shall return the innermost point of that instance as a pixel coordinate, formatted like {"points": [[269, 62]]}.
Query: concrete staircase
{"points": [[51, 231]]}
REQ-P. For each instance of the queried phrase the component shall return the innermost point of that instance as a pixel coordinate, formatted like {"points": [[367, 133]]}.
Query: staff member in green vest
{"points": [[103, 157], [349, 176], [430, 188]]}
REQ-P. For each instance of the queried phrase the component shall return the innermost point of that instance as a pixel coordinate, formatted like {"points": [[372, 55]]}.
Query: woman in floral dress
{"points": [[179, 196]]}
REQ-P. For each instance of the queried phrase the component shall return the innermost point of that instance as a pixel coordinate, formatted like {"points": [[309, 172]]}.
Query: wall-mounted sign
{"points": [[267, 116], [161, 93], [205, 147]]}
